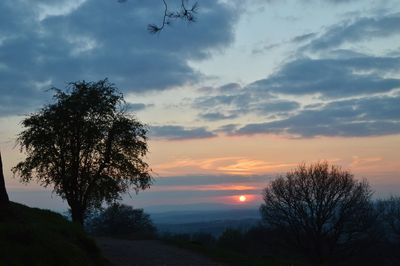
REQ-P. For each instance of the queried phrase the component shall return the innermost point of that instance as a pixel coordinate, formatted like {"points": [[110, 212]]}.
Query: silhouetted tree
{"points": [[390, 213], [320, 210], [4, 201], [389, 231], [123, 221], [86, 145]]}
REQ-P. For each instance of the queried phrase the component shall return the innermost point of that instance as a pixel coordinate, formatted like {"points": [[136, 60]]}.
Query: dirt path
{"points": [[149, 252]]}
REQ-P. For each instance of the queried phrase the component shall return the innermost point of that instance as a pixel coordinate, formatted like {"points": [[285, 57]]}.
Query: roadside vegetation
{"points": [[30, 236], [121, 221]]}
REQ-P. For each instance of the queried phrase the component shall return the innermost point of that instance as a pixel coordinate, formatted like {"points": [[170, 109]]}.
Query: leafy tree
{"points": [[3, 192], [320, 210], [123, 221], [86, 146]]}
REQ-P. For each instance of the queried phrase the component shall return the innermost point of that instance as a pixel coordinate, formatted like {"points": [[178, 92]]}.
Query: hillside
{"points": [[30, 236]]}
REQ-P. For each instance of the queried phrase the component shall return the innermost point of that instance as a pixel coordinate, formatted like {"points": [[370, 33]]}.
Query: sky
{"points": [[244, 94]]}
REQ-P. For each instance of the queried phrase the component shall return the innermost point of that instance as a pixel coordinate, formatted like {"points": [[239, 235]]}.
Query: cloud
{"points": [[366, 28], [216, 116], [43, 44], [236, 166], [277, 106], [247, 100], [304, 37], [372, 116], [358, 161], [179, 133], [333, 77], [136, 107]]}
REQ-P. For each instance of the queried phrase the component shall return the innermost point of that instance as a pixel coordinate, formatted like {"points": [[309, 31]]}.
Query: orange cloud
{"points": [[366, 161], [222, 187], [219, 165]]}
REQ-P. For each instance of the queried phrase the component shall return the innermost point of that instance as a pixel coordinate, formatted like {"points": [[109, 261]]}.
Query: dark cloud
{"points": [[135, 107], [362, 29], [179, 133], [304, 37], [228, 129], [279, 106], [333, 78], [101, 39], [222, 107], [217, 116], [372, 116], [230, 88], [239, 99]]}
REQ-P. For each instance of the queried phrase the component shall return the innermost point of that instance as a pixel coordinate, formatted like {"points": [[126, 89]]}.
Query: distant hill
{"points": [[30, 236], [179, 217], [213, 222]]}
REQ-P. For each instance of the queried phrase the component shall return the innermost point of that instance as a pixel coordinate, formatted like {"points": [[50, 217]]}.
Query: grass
{"points": [[30, 236]]}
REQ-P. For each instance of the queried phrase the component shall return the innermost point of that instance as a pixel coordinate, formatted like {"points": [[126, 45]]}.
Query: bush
{"points": [[122, 221], [231, 239], [204, 239]]}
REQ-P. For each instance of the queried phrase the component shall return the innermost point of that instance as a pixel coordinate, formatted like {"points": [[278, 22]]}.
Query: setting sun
{"points": [[242, 198]]}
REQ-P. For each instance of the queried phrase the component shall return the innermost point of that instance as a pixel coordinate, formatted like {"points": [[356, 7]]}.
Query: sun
{"points": [[242, 198]]}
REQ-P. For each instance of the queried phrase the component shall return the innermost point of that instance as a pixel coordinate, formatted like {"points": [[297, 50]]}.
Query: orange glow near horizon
{"points": [[264, 154], [242, 198]]}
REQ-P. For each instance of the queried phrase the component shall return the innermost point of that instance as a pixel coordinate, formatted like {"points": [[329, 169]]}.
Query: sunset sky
{"points": [[249, 91]]}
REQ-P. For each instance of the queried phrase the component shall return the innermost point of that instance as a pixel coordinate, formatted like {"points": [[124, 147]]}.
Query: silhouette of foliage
{"points": [[319, 210], [123, 221], [185, 13], [86, 146], [4, 201], [390, 214], [231, 239], [202, 238]]}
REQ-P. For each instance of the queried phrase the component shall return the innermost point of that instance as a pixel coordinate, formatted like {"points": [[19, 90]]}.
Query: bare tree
{"points": [[184, 13], [3, 192], [320, 210]]}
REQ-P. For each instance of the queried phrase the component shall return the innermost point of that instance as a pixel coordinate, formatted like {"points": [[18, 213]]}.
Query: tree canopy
{"points": [[320, 210], [86, 146]]}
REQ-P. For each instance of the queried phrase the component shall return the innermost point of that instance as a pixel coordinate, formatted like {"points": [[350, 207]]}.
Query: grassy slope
{"points": [[30, 236]]}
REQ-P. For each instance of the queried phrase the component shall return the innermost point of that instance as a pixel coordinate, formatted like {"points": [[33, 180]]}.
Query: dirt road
{"points": [[149, 252]]}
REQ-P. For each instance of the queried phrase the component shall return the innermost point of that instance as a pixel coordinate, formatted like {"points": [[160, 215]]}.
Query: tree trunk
{"points": [[4, 201], [77, 214]]}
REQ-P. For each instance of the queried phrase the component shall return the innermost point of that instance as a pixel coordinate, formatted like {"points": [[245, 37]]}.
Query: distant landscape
{"points": [[213, 222]]}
